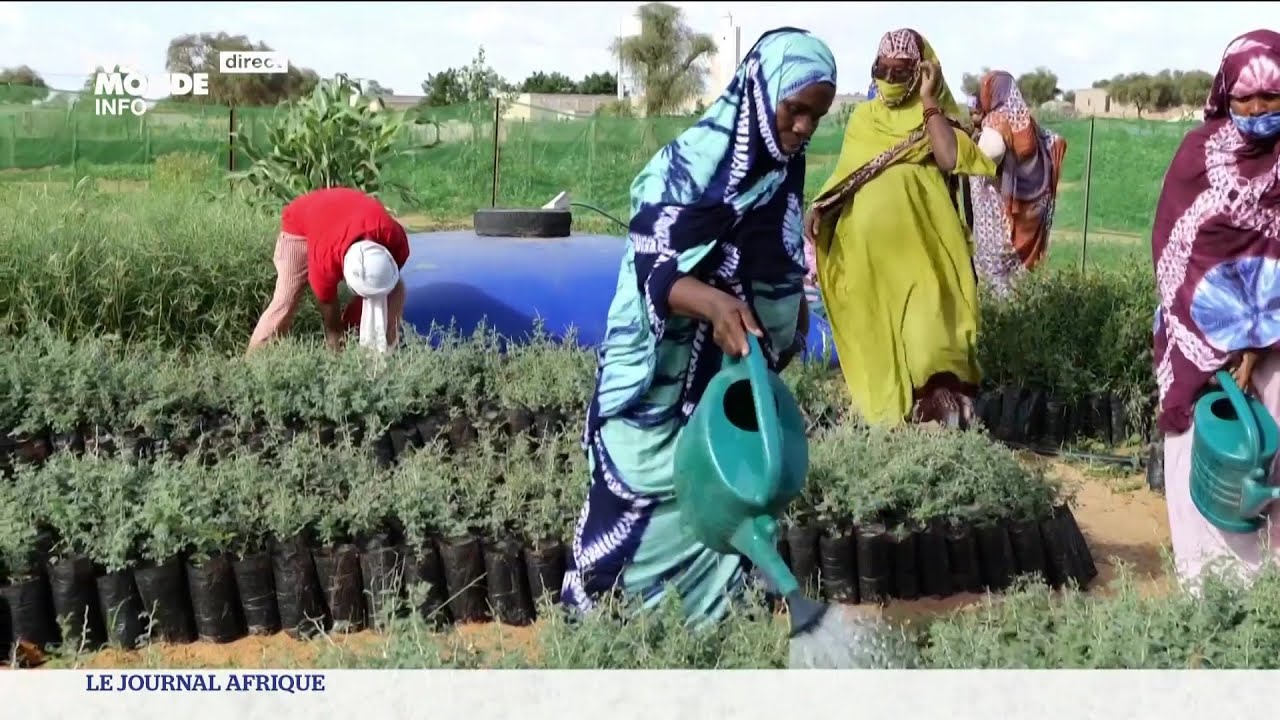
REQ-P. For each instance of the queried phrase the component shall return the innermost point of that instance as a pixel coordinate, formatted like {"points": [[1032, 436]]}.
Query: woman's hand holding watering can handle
{"points": [[730, 318], [1243, 371]]}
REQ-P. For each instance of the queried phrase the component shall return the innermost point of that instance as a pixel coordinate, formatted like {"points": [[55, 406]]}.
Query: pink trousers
{"points": [[1197, 545], [291, 280]]}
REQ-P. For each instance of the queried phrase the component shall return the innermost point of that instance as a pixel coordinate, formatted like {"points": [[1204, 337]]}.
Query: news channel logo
{"points": [[125, 93]]}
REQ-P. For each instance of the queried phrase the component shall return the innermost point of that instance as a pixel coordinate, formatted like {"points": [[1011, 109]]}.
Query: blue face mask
{"points": [[1258, 126]]}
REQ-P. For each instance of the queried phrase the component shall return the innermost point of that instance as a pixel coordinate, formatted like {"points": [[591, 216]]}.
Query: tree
{"points": [[605, 83], [970, 84], [1165, 90], [373, 88], [667, 57], [193, 53], [1069, 96], [22, 85], [1144, 92], [554, 84], [1193, 86], [1038, 86], [559, 84], [474, 83]]}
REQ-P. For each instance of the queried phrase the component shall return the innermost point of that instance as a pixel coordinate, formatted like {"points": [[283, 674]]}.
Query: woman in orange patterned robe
{"points": [[1013, 212]]}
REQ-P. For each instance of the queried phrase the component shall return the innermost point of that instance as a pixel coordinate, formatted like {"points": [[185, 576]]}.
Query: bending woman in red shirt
{"points": [[328, 236]]}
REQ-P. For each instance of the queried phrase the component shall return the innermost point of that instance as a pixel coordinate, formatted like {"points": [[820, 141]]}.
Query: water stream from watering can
{"points": [[841, 641]]}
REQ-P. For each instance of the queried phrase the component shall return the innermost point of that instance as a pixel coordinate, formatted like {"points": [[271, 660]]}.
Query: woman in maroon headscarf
{"points": [[1216, 248], [1012, 213]]}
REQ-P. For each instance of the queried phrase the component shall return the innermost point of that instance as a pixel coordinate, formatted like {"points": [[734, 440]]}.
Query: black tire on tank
{"points": [[522, 222]]}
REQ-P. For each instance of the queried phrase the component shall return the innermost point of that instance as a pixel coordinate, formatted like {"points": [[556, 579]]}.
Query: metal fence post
{"points": [[1088, 181], [497, 119], [231, 138]]}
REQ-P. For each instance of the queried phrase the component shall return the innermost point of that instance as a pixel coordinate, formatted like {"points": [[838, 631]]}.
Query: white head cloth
{"points": [[371, 273]]}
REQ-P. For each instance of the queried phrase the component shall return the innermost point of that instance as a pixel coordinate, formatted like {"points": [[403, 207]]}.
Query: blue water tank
{"points": [[459, 278]]}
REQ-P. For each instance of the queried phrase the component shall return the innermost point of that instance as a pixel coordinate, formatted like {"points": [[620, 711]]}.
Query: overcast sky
{"points": [[398, 44]]}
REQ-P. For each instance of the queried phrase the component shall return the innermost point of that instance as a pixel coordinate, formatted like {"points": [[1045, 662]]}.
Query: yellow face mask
{"points": [[893, 93]]}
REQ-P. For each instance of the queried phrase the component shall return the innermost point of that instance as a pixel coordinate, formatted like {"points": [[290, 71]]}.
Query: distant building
{"points": [[1097, 102], [724, 62], [549, 106]]}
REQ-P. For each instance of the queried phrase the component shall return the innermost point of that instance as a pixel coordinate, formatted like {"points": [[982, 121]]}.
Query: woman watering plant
{"points": [[893, 258], [1216, 249], [1013, 212], [328, 236], [715, 252]]}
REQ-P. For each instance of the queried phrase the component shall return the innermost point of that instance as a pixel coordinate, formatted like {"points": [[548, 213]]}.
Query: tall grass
{"points": [[169, 267], [596, 159]]}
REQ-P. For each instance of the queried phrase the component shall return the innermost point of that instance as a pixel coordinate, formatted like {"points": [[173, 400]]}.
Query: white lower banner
{"points": [[529, 694]]}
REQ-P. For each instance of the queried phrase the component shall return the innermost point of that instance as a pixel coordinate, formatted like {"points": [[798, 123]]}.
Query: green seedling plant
{"points": [[554, 475], [413, 499], [325, 140], [63, 497], [113, 523], [244, 481], [164, 512], [211, 524], [18, 535]]}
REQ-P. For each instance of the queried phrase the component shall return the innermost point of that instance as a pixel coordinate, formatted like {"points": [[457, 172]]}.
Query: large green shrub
{"points": [[330, 138]]}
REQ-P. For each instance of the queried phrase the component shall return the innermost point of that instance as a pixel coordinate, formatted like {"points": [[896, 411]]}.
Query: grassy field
{"points": [[596, 160], [139, 252]]}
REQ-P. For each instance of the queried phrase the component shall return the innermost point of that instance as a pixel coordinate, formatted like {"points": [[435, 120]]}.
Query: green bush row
{"points": [[181, 272], [120, 511], [1230, 626]]}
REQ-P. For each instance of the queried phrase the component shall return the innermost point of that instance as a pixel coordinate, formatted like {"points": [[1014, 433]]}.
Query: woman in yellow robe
{"points": [[894, 257]]}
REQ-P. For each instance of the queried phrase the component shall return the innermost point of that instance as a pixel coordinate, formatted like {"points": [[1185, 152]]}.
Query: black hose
{"points": [[593, 208], [1136, 461]]}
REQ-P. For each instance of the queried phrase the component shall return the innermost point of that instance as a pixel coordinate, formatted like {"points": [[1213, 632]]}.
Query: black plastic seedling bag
{"points": [[121, 608], [424, 566], [163, 589], [904, 550], [875, 564], [298, 595], [996, 553], [215, 602], [962, 555], [838, 555], [29, 611], [75, 602], [256, 589], [464, 574], [545, 562], [805, 563], [338, 571], [507, 583]]}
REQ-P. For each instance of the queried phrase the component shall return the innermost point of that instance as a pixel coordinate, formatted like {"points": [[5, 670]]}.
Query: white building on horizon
{"points": [[721, 65], [724, 62]]}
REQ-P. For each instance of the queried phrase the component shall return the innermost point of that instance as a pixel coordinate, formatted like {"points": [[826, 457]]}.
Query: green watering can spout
{"points": [[740, 460], [1233, 447], [757, 538]]}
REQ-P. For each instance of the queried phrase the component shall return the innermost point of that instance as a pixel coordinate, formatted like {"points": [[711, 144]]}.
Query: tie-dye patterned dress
{"points": [[721, 203]]}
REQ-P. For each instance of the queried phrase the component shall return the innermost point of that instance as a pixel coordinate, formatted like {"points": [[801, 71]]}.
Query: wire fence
{"points": [[515, 154]]}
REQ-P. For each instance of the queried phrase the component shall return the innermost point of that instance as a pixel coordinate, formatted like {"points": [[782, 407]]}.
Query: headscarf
{"points": [[1028, 184], [1029, 168], [1216, 238], [878, 134], [371, 272], [699, 187]]}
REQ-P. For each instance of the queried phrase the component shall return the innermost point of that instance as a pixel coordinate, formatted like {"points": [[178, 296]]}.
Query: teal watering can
{"points": [[740, 460], [1234, 443]]}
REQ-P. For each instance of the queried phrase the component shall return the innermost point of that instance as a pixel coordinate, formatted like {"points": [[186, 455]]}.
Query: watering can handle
{"points": [[1243, 411], [765, 404]]}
